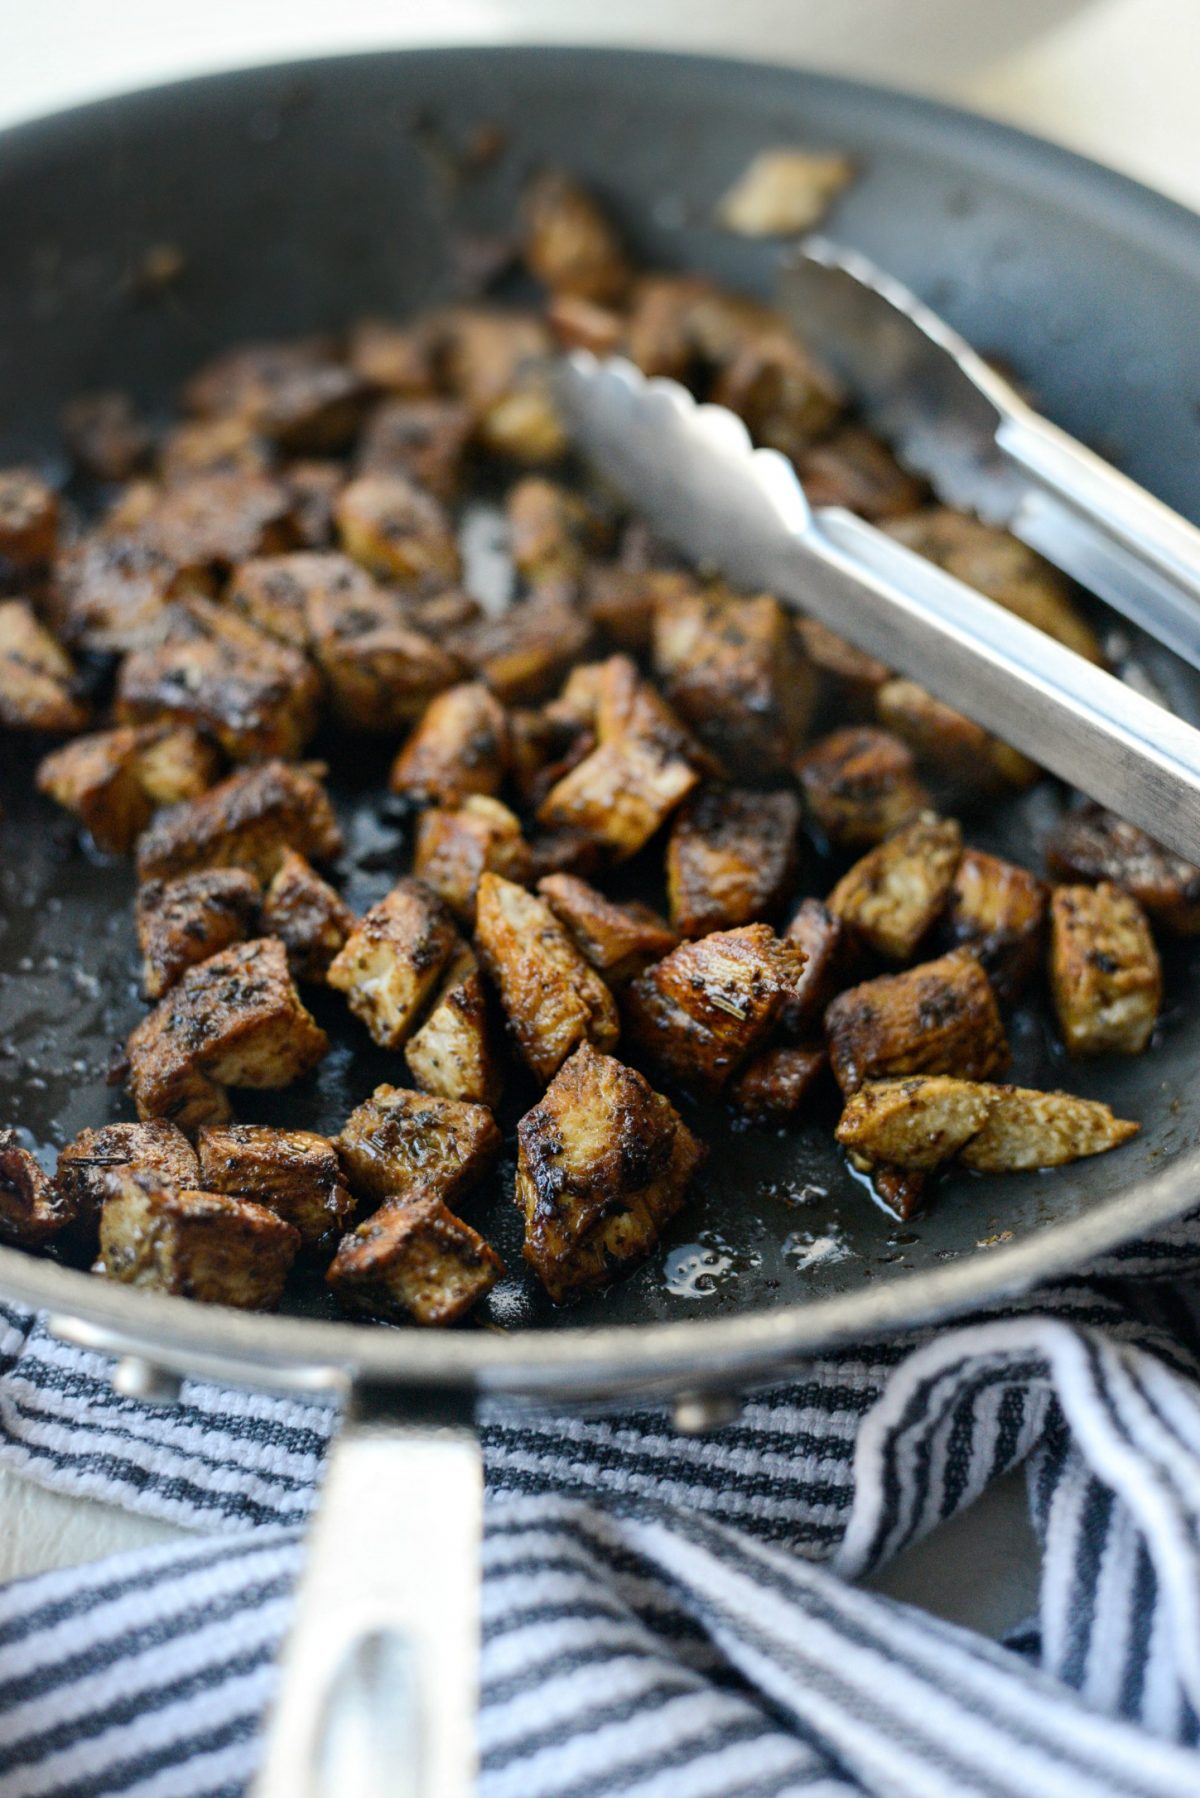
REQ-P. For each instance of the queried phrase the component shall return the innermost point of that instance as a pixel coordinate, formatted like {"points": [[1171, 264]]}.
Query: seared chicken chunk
{"points": [[731, 858], [622, 602], [552, 998], [962, 753], [248, 821], [764, 373], [32, 1212], [309, 917], [453, 1054], [850, 678], [707, 1007], [523, 654], [380, 672], [459, 747], [294, 1173], [422, 440], [392, 961], [395, 357], [28, 519], [496, 364], [938, 1018], [198, 1245], [604, 1162], [35, 675], [278, 594], [822, 937], [620, 941], [901, 1189], [414, 1263], [83, 1178], [296, 394], [98, 778], [549, 531], [567, 241], [777, 1083], [1093, 845], [111, 591], [784, 192], [860, 785], [853, 468], [891, 899], [454, 848], [205, 446], [398, 1144], [174, 763], [205, 525], [314, 487], [184, 921], [396, 530], [235, 1020], [998, 911], [107, 439], [1105, 975], [1026, 1129]]}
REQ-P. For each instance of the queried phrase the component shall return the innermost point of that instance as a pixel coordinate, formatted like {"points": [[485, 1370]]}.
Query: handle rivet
{"points": [[133, 1377], [696, 1413]]}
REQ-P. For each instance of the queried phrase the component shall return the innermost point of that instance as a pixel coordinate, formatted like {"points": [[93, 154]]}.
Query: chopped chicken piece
{"points": [[111, 591], [891, 899], [209, 523], [777, 1083], [901, 1190], [248, 821], [604, 1162], [278, 594], [83, 1178], [453, 1054], [496, 363], [550, 531], [107, 439], [381, 673], [35, 675], [708, 1006], [206, 446], [853, 468], [1105, 975], [398, 1144], [568, 243], [396, 530], [583, 324], [938, 1018], [784, 192], [1093, 845], [1025, 1129], [113, 779], [235, 1020], [784, 397], [423, 440], [523, 654], [620, 941], [414, 1263], [860, 785], [565, 851], [175, 763], [297, 393], [850, 677], [314, 486], [622, 602], [659, 334], [459, 747], [542, 748], [998, 911], [184, 921], [29, 515], [294, 1173], [454, 848], [309, 917], [731, 858], [915, 1123], [395, 357], [393, 959], [822, 937], [961, 752], [31, 1210], [198, 1245], [552, 998]]}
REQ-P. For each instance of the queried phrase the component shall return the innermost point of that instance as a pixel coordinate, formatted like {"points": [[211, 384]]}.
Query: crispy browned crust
{"points": [[552, 998], [294, 1173], [1093, 845], [393, 959], [309, 917], [248, 821], [998, 911], [731, 858], [453, 1054], [963, 754], [603, 1163], [35, 675], [199, 1245], [460, 746], [182, 922], [296, 393], [397, 530], [853, 468], [96, 778], [1105, 975], [422, 439], [779, 1082], [860, 785], [902, 1190], [32, 1211], [939, 1018], [158, 1149], [620, 941], [850, 679], [398, 1143], [110, 591], [454, 848], [277, 594], [414, 1262], [704, 1010], [106, 437], [29, 515], [568, 243], [828, 956], [891, 899], [380, 672], [764, 372], [523, 654], [236, 1020]]}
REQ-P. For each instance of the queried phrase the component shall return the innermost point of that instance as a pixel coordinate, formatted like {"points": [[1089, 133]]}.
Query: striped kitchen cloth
{"points": [[667, 1617]]}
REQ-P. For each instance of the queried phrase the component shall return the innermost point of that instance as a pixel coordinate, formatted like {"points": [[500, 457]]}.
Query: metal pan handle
{"points": [[379, 1678]]}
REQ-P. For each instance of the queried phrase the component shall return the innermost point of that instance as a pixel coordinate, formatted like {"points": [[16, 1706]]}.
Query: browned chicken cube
{"points": [[380, 672], [396, 530], [620, 941], [28, 519], [550, 531], [309, 917], [938, 1018], [891, 899], [783, 192], [853, 468], [97, 778], [580, 324], [734, 671], [821, 936], [915, 1123], [998, 911], [32, 1212], [393, 959], [459, 747], [850, 678], [395, 357], [454, 848], [552, 998], [1105, 975], [399, 1143], [731, 858], [197, 1245], [764, 373], [1026, 1129], [962, 753], [174, 763], [860, 785], [1093, 845], [622, 602], [314, 487], [453, 1054], [496, 363], [422, 440], [35, 675], [184, 921], [235, 1020], [296, 393], [777, 1083], [83, 1178], [294, 1173], [708, 1006], [248, 821], [278, 594], [107, 438], [205, 525], [523, 654], [111, 590], [414, 1263], [204, 446], [567, 242], [604, 1162]]}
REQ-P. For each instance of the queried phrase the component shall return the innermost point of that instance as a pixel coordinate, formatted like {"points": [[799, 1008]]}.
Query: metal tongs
{"points": [[692, 471]]}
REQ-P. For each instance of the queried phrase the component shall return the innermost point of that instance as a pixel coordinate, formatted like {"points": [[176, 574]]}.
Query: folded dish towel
{"points": [[665, 1617]]}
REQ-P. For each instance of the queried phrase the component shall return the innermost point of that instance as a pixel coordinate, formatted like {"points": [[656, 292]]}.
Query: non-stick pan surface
{"points": [[301, 197]]}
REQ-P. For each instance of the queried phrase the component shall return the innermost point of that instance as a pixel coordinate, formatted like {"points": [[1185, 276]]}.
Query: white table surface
{"points": [[1116, 81]]}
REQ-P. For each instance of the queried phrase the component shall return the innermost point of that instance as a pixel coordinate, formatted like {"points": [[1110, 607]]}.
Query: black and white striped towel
{"points": [[669, 1618]]}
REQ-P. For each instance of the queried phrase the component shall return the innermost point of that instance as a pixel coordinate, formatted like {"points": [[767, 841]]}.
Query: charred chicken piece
{"points": [[314, 486], [297, 393], [381, 673], [294, 1173], [850, 678], [235, 1020], [83, 1178], [778, 1083], [1105, 975], [998, 911], [764, 373], [604, 1162], [197, 1245], [414, 1262], [393, 959], [112, 780], [459, 747], [827, 954], [207, 446], [455, 848], [708, 1006], [860, 785], [32, 1211], [901, 1189], [279, 594], [496, 364], [398, 1144], [731, 858], [309, 917], [422, 440], [623, 602], [891, 899], [35, 675], [567, 242], [248, 821], [1092, 845], [395, 357], [523, 654], [552, 998], [963, 754], [1026, 1129], [620, 941], [185, 921], [29, 516], [938, 1018], [550, 530], [107, 439], [205, 525], [453, 1054], [854, 468], [111, 590], [397, 530]]}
